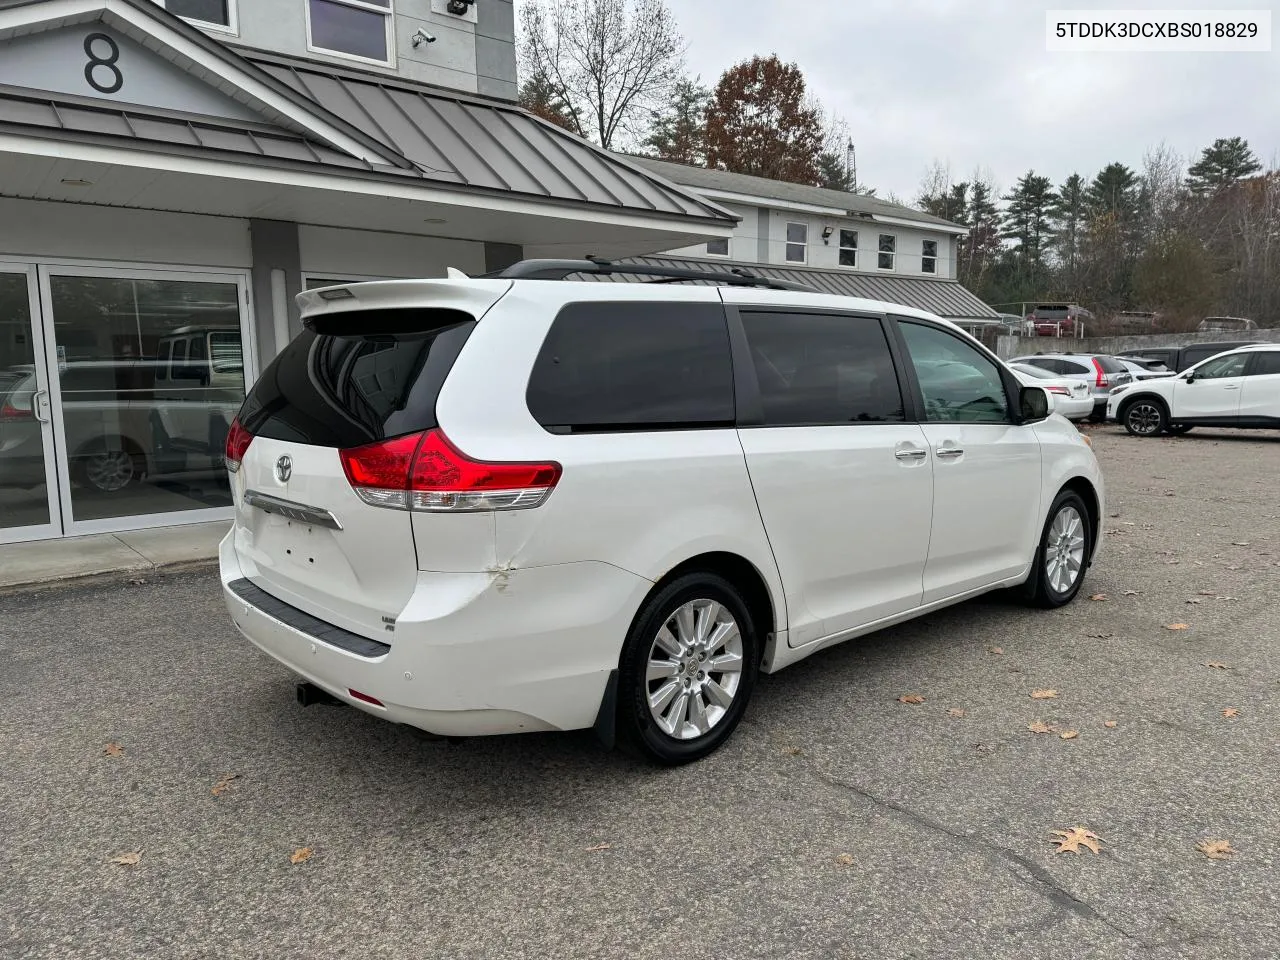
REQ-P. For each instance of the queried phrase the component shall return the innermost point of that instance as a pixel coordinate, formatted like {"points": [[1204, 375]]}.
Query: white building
{"points": [[167, 185]]}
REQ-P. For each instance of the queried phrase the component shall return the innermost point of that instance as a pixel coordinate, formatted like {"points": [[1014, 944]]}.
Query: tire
{"points": [[1098, 416], [652, 720], [1179, 430], [110, 466], [1145, 417], [1065, 539]]}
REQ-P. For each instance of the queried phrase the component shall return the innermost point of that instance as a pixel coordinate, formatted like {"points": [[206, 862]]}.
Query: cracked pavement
{"points": [[838, 822]]}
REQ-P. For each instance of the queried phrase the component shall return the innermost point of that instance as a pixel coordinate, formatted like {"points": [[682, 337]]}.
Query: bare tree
{"points": [[612, 62]]}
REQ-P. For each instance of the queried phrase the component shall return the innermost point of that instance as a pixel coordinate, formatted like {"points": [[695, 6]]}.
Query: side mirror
{"points": [[1033, 404], [1190, 378]]}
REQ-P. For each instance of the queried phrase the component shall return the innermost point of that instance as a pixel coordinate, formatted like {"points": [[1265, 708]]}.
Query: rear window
{"points": [[633, 366], [345, 391], [1112, 365]]}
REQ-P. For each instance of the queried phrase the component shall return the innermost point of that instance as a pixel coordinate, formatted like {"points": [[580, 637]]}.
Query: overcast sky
{"points": [[970, 82]]}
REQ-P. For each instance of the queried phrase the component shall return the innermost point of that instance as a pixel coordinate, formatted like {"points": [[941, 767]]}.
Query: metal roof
{"points": [[945, 298], [477, 143], [702, 178], [86, 119]]}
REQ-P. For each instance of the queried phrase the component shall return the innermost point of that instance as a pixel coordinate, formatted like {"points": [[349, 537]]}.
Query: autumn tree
{"points": [[760, 122], [538, 95], [1227, 161], [613, 63], [679, 132]]}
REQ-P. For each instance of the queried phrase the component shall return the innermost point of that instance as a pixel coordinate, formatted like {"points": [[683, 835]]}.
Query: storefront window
{"points": [[151, 373], [24, 491]]}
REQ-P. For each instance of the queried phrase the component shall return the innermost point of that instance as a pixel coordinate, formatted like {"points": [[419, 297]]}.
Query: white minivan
{"points": [[525, 502]]}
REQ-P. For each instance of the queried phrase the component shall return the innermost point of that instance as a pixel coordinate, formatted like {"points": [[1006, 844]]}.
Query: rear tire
{"points": [[1066, 544], [1145, 418], [687, 670], [108, 466]]}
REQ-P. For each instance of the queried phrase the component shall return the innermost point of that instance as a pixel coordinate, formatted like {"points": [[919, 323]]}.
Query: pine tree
{"points": [[538, 95], [1068, 223], [1027, 219], [679, 134], [1228, 161]]}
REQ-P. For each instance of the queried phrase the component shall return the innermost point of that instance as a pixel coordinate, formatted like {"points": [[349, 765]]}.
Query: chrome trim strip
{"points": [[294, 511]]}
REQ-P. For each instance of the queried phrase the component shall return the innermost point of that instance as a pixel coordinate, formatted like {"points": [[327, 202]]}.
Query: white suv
{"points": [[513, 504], [1239, 388]]}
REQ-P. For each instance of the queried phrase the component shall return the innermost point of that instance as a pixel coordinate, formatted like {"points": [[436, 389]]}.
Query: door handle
{"points": [[950, 453], [911, 455], [40, 401], [1232, 386]]}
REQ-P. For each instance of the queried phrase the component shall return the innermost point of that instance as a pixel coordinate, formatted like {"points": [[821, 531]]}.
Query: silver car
{"points": [[1102, 373]]}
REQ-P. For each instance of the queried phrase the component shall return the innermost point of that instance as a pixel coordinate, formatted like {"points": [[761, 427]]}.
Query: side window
{"points": [[822, 369], [1074, 368], [611, 367], [1044, 364], [958, 382], [1231, 365], [1266, 363]]}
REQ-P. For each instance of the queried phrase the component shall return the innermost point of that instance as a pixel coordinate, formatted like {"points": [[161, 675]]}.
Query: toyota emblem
{"points": [[284, 468]]}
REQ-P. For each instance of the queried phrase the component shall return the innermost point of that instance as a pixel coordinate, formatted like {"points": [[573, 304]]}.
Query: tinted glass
{"points": [[958, 382], [210, 11], [1031, 371], [718, 247], [822, 369], [361, 33], [633, 366], [1112, 365], [1074, 367], [1044, 363], [1193, 355], [1228, 366], [1266, 364], [345, 391]]}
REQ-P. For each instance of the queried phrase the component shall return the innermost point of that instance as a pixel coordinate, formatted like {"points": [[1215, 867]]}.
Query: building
{"points": [[173, 172], [838, 242]]}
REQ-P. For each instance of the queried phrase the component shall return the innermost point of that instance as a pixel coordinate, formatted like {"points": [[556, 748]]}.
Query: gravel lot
{"points": [[838, 822]]}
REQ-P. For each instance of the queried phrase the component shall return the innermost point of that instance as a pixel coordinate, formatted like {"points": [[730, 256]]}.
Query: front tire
{"points": [[1066, 544], [1145, 418], [687, 670]]}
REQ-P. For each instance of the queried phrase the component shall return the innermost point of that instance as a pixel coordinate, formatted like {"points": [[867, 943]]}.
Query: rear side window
{"points": [[1112, 365], [822, 369], [1073, 367], [1266, 363], [1044, 364], [333, 390], [633, 366]]}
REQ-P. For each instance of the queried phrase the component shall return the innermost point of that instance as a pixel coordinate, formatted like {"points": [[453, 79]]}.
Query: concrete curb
{"points": [[105, 577]]}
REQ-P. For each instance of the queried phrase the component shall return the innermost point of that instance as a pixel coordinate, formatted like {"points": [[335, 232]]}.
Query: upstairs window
{"points": [[360, 29], [220, 14], [848, 248], [929, 256], [797, 242], [888, 252]]}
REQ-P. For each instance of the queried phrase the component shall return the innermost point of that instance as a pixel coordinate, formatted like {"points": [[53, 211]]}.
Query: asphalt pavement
{"points": [[837, 822]]}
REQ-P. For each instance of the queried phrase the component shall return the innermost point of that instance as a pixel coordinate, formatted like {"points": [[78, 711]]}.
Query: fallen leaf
{"points": [[844, 860], [792, 751], [1131, 593], [911, 698], [1215, 849], [1231, 712], [1069, 734], [223, 785], [998, 651], [1208, 593], [598, 847], [1039, 726], [302, 855], [1216, 665], [1072, 840], [128, 859], [1043, 694], [1194, 600], [1102, 636], [113, 750], [955, 712], [1099, 597], [1240, 543], [1110, 724], [1224, 598], [1176, 626]]}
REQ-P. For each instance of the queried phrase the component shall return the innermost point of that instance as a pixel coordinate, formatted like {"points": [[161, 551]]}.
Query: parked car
{"points": [[1145, 369], [1178, 359], [1133, 321], [1101, 372], [1240, 388], [1071, 398], [1059, 319], [524, 503], [1225, 325]]}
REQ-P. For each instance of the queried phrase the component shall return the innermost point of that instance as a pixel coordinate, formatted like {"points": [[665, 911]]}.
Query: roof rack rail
{"points": [[560, 269]]}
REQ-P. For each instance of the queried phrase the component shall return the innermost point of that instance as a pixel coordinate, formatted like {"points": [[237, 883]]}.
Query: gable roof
{"points": [[702, 178]]}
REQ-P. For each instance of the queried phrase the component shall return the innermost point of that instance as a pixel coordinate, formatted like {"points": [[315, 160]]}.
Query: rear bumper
{"points": [[471, 654]]}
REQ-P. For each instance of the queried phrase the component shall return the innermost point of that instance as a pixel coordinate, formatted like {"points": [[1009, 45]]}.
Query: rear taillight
{"points": [[425, 472], [1102, 376], [238, 440], [9, 412], [1062, 390]]}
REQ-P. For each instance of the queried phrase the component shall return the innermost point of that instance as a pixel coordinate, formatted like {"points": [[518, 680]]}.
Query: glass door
{"points": [[28, 480], [151, 369]]}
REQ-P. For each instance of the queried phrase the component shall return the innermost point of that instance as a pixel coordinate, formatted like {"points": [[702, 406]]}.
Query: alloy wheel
{"points": [[694, 670], [1064, 550], [110, 470], [1144, 419]]}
